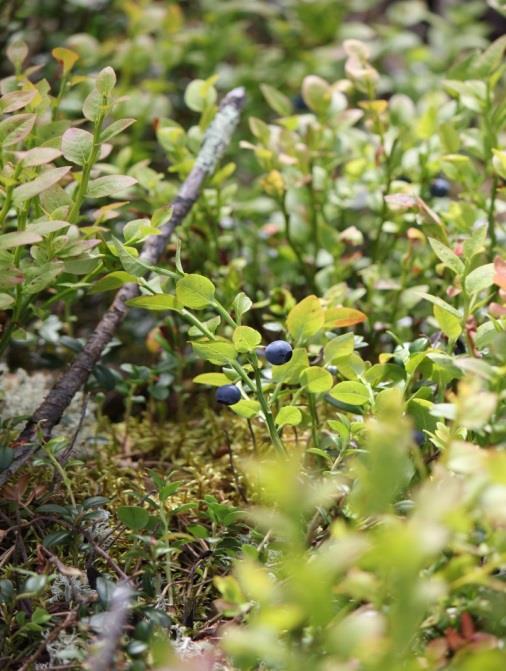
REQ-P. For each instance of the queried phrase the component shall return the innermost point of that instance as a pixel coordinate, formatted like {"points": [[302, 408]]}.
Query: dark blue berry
{"points": [[419, 437], [278, 352], [440, 187], [228, 394], [460, 348], [299, 104]]}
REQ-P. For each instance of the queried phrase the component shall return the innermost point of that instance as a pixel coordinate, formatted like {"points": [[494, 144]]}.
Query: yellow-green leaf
{"points": [[195, 291], [448, 323], [158, 302], [316, 380], [352, 393], [305, 319], [218, 352], [212, 379], [289, 415], [338, 347], [246, 408], [246, 339]]}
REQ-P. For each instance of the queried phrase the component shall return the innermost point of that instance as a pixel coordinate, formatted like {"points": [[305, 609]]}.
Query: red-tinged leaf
{"points": [[500, 272], [341, 317], [16, 100], [401, 201]]}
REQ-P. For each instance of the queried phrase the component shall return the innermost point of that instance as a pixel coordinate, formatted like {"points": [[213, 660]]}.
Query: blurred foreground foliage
{"points": [[349, 512]]}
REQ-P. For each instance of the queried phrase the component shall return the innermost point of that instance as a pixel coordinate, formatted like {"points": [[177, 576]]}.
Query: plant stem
{"points": [[276, 440], [8, 195], [54, 461], [491, 216], [85, 176], [313, 217], [293, 246], [314, 419]]}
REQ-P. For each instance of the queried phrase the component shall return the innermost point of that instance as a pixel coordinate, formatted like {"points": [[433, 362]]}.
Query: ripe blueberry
{"points": [[278, 352], [419, 437], [299, 104], [228, 394], [440, 187]]}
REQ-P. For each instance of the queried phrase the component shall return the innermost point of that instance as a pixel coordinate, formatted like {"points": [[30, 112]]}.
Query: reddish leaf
{"points": [[341, 317], [500, 272]]}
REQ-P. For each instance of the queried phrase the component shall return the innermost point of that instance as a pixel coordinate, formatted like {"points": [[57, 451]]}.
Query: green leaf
{"points": [[441, 303], [352, 393], [138, 230], [305, 319], [338, 347], [489, 60], [316, 93], [288, 373], [195, 291], [157, 302], [44, 277], [115, 128], [39, 156], [200, 94], [276, 100], [480, 278], [384, 372], [242, 303], [18, 239], [448, 323], [6, 301], [15, 100], [112, 281], [109, 185], [212, 379], [133, 517], [106, 81], [47, 226], [246, 408], [317, 380], [447, 256], [350, 366], [17, 51], [210, 324], [41, 183], [127, 258], [289, 415], [93, 105], [16, 128], [218, 352], [55, 538], [246, 339], [77, 145]]}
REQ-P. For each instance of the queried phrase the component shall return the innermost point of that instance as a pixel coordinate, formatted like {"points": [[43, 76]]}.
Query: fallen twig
{"points": [[49, 413], [52, 636]]}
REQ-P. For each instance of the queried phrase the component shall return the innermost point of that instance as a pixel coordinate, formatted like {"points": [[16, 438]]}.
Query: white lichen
{"points": [[21, 393]]}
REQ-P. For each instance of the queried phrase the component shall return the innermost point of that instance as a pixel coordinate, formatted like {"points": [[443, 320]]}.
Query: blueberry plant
{"points": [[298, 449]]}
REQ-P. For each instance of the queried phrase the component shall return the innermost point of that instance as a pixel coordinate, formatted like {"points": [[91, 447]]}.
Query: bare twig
{"points": [[113, 625], [63, 457], [52, 636], [59, 397]]}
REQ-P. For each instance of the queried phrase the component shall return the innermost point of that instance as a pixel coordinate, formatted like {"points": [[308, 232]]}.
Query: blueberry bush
{"points": [[290, 453]]}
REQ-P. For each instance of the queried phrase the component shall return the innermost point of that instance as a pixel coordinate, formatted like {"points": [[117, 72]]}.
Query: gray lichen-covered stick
{"points": [[112, 629], [49, 413]]}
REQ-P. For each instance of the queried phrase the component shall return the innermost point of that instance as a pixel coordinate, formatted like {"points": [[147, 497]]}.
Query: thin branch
{"points": [[52, 636], [59, 397]]}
